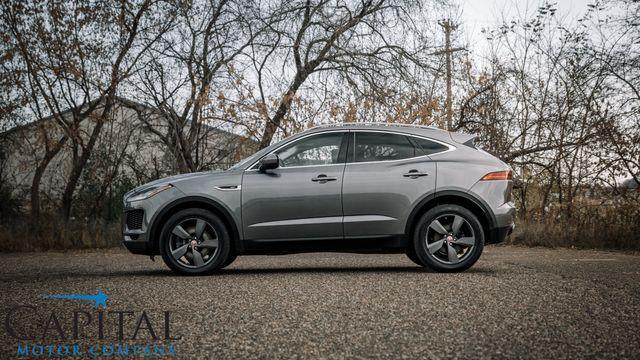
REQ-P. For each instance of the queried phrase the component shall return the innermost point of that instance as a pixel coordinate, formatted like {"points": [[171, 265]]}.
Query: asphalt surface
{"points": [[515, 302]]}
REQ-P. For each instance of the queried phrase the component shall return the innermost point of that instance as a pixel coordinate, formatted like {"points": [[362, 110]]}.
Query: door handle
{"points": [[414, 174], [322, 178]]}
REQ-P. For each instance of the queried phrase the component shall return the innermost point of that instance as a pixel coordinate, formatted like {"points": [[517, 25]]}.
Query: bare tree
{"points": [[185, 69], [74, 58], [551, 103], [359, 44]]}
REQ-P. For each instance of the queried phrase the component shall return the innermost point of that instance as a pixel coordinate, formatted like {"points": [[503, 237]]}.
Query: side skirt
{"points": [[364, 245]]}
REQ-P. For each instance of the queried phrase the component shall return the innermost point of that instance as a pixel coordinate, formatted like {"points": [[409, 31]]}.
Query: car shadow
{"points": [[337, 270], [323, 270], [241, 272], [318, 270]]}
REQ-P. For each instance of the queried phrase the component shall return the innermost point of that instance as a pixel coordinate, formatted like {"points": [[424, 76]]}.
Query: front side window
{"points": [[373, 146], [320, 149]]}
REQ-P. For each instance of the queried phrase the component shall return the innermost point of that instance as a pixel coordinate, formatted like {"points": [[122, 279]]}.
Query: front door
{"points": [[301, 199]]}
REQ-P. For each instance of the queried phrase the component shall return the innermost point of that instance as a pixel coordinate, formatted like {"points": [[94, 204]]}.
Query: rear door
{"points": [[385, 176]]}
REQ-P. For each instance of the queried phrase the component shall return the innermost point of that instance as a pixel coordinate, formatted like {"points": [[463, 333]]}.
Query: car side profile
{"points": [[360, 187]]}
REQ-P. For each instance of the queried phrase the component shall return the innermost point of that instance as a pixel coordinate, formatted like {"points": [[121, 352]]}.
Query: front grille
{"points": [[134, 219]]}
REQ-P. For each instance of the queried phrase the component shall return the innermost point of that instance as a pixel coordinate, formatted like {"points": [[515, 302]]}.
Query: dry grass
{"points": [[613, 226], [53, 234]]}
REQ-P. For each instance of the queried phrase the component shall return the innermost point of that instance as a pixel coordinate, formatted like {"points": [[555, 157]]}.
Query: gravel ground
{"points": [[515, 302]]}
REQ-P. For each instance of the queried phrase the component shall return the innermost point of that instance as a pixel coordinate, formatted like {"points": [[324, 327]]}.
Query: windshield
{"points": [[242, 163], [262, 152]]}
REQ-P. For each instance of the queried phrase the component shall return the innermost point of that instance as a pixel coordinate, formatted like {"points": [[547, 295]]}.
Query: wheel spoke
{"points": [[181, 232], [209, 244], [197, 258], [457, 224], [452, 254], [200, 225], [179, 252], [466, 241], [435, 225], [435, 246]]}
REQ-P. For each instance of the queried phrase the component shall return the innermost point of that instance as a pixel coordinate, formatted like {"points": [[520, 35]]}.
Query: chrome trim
{"points": [[304, 221], [300, 166], [371, 123], [228, 187], [449, 147], [386, 161]]}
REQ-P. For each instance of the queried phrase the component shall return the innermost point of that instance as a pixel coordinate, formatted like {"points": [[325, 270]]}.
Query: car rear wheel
{"points": [[448, 238], [195, 241], [230, 259]]}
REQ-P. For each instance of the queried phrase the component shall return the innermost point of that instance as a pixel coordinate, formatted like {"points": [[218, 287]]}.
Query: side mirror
{"points": [[269, 162]]}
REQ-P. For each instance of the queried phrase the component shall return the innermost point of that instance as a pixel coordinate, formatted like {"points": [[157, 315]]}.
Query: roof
{"points": [[421, 130], [375, 124]]}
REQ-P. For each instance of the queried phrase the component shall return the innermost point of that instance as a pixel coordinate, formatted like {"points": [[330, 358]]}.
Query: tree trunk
{"points": [[37, 178], [274, 123], [78, 167]]}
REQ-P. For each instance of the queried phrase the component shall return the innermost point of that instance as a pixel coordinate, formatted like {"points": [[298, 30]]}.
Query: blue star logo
{"points": [[100, 299]]}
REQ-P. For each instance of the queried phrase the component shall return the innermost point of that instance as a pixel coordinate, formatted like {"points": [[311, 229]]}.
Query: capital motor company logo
{"points": [[71, 329]]}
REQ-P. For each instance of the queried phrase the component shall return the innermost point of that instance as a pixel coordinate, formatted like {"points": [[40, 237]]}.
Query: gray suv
{"points": [[379, 188]]}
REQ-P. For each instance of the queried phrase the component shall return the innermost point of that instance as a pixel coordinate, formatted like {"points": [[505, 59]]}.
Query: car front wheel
{"points": [[195, 241], [448, 238]]}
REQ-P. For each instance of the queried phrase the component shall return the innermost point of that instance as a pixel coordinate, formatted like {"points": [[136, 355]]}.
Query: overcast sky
{"points": [[476, 14]]}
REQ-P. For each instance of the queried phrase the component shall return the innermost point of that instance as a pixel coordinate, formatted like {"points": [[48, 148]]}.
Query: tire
{"points": [[185, 252], [448, 238], [230, 259], [412, 256]]}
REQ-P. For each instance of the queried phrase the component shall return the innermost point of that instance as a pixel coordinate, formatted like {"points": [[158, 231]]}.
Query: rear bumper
{"points": [[499, 234]]}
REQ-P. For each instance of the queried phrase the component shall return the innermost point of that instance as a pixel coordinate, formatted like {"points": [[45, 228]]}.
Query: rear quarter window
{"points": [[429, 147]]}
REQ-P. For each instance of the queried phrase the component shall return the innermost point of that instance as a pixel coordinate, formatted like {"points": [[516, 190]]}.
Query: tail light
{"points": [[498, 175]]}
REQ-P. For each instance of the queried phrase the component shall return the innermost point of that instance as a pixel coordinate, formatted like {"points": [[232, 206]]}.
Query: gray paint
{"points": [[366, 199], [381, 190], [284, 203]]}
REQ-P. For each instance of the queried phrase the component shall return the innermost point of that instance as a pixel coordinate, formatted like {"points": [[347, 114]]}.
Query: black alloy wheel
{"points": [[195, 241], [448, 238]]}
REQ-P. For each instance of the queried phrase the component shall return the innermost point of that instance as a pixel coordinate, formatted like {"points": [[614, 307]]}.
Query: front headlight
{"points": [[148, 192]]}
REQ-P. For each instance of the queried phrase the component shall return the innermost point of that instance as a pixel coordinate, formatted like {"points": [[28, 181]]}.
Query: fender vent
{"points": [[134, 219]]}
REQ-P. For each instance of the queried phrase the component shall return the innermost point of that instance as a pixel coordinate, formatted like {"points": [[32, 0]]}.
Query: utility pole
{"points": [[448, 27]]}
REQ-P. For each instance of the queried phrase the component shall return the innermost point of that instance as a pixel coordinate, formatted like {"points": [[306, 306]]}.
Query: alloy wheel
{"points": [[450, 239], [194, 243]]}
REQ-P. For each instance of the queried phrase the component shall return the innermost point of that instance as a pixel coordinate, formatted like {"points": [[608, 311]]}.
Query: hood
{"points": [[176, 178], [169, 180]]}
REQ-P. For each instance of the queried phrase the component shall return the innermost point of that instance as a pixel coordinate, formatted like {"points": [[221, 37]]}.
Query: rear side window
{"points": [[373, 146], [429, 147]]}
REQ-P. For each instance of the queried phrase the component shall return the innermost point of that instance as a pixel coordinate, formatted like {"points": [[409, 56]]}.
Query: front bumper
{"points": [[139, 247], [138, 240]]}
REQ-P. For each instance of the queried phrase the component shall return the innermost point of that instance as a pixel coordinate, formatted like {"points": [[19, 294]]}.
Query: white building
{"points": [[128, 151]]}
